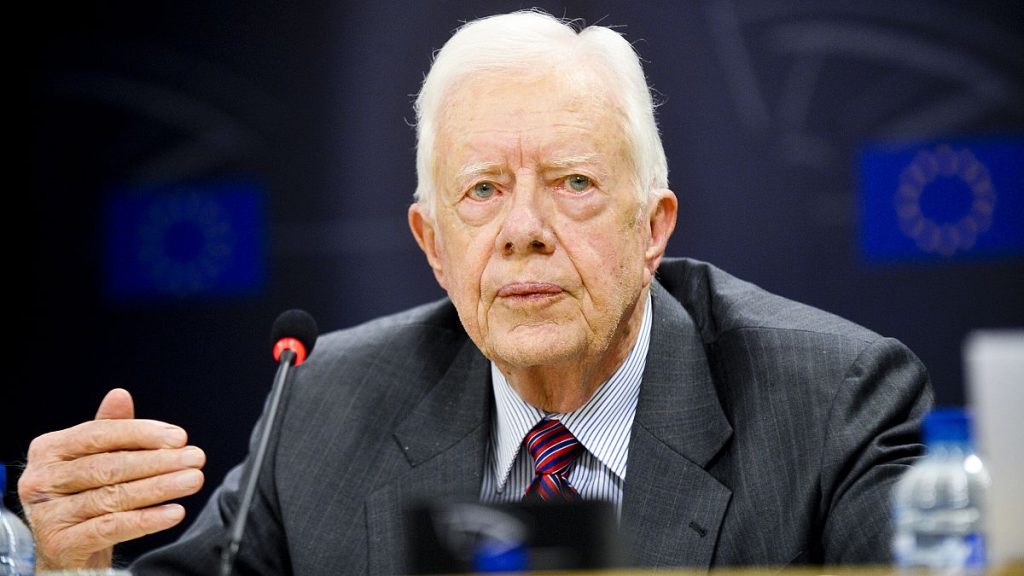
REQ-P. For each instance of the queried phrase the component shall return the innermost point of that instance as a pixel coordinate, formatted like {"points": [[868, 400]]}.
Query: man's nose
{"points": [[526, 226]]}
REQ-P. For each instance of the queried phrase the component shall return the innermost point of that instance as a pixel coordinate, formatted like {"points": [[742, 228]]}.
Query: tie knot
{"points": [[552, 446]]}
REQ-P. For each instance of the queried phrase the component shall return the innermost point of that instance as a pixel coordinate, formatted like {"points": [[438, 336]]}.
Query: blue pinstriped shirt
{"points": [[601, 425]]}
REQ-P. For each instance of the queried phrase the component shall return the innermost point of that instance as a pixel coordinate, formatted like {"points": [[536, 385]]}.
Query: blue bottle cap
{"points": [[500, 557], [947, 425]]}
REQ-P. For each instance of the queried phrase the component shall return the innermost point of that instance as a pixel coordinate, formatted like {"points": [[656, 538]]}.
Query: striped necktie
{"points": [[554, 449]]}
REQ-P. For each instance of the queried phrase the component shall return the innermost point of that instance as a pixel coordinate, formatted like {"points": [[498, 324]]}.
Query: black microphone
{"points": [[292, 337], [294, 330]]}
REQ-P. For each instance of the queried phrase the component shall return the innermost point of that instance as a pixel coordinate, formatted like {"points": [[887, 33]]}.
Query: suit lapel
{"points": [[443, 440], [672, 507]]}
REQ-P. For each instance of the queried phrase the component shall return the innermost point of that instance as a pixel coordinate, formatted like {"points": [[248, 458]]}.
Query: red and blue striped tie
{"points": [[553, 449]]}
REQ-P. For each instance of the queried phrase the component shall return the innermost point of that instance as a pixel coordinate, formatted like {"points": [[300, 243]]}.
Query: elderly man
{"points": [[727, 425]]}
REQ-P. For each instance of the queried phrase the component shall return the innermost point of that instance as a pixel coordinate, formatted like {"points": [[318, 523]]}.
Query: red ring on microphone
{"points": [[293, 345]]}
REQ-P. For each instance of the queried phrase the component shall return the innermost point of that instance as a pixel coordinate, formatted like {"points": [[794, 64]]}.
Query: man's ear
{"points": [[662, 210], [422, 226]]}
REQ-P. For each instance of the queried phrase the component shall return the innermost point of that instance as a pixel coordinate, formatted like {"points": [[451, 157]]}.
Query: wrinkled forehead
{"points": [[576, 81], [549, 104]]}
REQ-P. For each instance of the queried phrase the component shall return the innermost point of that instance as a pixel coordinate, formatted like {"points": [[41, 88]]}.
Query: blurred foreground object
{"points": [[939, 505], [994, 361], [473, 537], [17, 550]]}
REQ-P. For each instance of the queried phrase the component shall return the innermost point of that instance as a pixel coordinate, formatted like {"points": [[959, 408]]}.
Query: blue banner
{"points": [[942, 200], [205, 239]]}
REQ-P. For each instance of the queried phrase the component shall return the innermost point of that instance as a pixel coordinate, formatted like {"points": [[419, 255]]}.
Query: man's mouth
{"points": [[529, 290]]}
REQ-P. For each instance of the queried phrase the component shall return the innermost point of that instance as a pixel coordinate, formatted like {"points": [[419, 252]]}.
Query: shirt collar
{"points": [[602, 425]]}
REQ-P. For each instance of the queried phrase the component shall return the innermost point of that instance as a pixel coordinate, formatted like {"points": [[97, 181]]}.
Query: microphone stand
{"points": [[230, 550]]}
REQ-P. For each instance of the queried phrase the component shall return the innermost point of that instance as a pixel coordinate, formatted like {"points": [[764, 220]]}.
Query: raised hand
{"points": [[91, 486]]}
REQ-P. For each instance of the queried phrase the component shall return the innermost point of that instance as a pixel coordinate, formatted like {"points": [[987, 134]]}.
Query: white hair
{"points": [[530, 44]]}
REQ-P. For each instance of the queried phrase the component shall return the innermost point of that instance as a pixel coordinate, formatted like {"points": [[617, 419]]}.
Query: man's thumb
{"points": [[116, 405]]}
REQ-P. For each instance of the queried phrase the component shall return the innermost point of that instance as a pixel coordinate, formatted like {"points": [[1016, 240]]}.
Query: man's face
{"points": [[538, 233]]}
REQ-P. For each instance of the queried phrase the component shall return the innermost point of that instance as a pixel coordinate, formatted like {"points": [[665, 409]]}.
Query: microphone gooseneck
{"points": [[292, 337]]}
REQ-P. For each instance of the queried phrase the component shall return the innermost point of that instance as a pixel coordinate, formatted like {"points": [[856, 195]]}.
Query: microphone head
{"points": [[294, 330]]}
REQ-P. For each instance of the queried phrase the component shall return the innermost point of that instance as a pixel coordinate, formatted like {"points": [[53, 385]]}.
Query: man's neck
{"points": [[566, 386]]}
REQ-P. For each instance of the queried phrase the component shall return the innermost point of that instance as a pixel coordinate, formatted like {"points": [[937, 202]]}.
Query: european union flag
{"points": [[942, 199], [203, 239]]}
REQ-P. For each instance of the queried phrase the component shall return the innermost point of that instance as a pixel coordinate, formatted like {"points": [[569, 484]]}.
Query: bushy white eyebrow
{"points": [[570, 161], [472, 171], [477, 169]]}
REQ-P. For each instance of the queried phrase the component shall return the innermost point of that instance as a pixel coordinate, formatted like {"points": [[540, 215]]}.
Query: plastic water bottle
{"points": [[939, 504], [17, 550]]}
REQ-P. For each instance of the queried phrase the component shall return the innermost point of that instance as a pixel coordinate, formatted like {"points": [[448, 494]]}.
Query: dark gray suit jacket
{"points": [[767, 432]]}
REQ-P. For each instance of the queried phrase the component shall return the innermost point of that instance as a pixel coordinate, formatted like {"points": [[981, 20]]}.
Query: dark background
{"points": [[764, 106]]}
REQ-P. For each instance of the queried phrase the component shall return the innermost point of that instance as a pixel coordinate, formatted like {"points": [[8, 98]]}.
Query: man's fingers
{"points": [[110, 468], [75, 530], [128, 496], [98, 436], [118, 527], [102, 532], [116, 405]]}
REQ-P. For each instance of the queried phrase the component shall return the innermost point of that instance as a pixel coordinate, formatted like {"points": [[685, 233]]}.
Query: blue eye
{"points": [[578, 183], [483, 190]]}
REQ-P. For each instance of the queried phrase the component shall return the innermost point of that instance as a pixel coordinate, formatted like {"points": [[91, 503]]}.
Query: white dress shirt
{"points": [[602, 426]]}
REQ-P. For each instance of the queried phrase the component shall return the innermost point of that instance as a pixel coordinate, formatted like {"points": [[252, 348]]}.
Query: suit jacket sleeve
{"points": [[805, 421], [198, 550], [872, 436]]}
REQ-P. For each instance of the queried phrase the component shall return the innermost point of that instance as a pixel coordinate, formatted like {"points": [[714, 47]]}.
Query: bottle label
{"points": [[938, 551], [975, 544]]}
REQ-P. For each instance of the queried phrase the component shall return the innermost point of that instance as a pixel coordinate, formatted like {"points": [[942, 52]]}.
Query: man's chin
{"points": [[527, 351]]}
